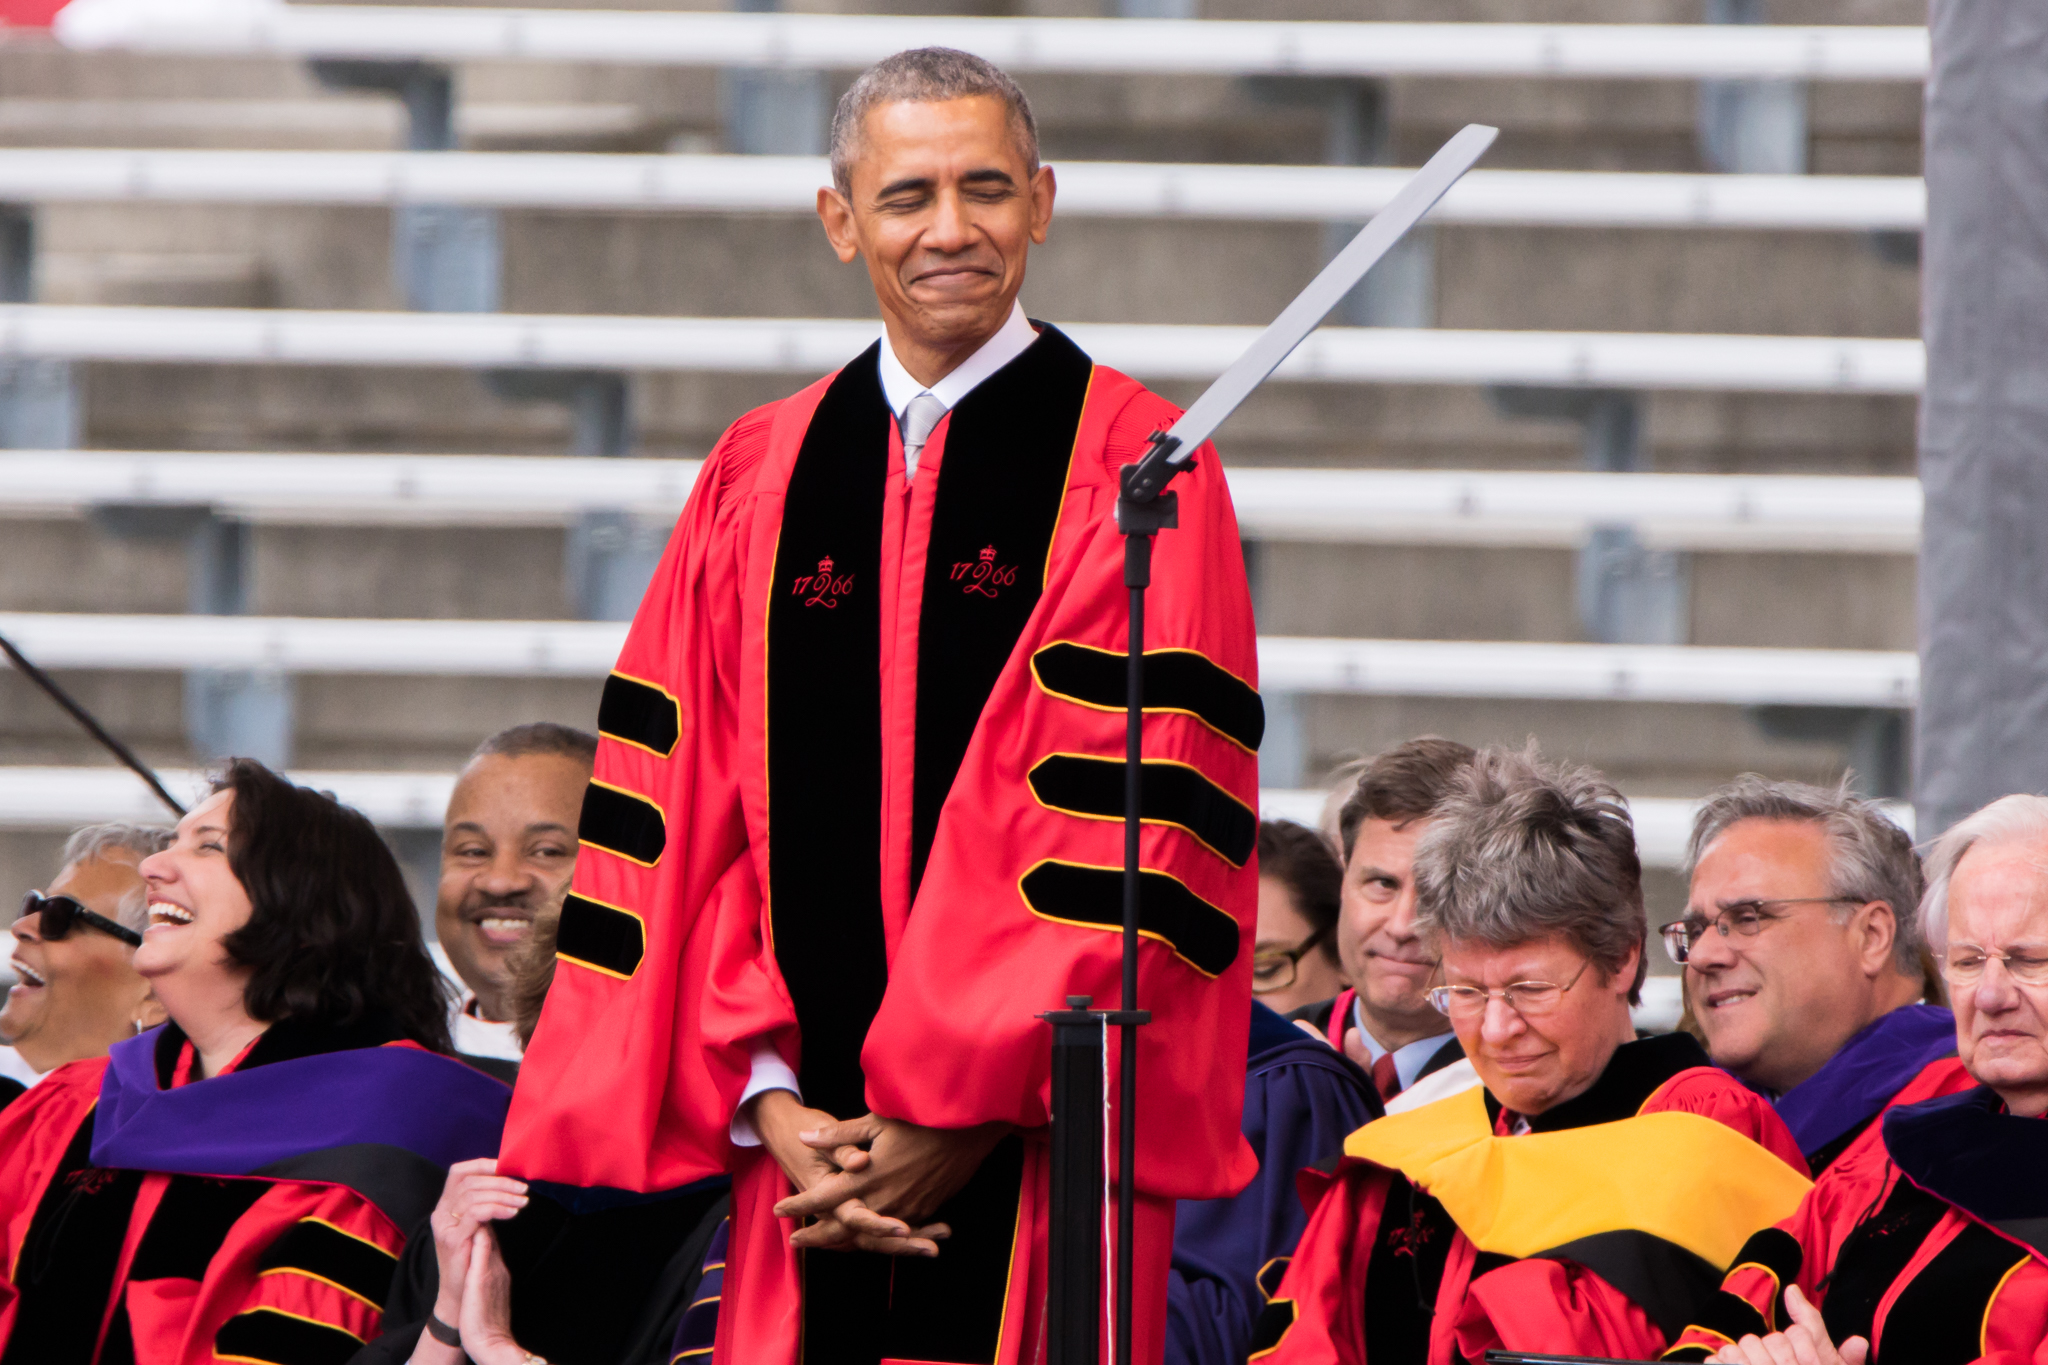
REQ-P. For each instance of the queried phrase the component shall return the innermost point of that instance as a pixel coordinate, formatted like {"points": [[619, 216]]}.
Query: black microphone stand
{"points": [[1143, 509]]}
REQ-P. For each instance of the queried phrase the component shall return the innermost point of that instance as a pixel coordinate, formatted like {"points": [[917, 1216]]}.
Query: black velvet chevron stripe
{"points": [[274, 1337], [1175, 680], [1672, 1285], [194, 1217], [640, 714], [1171, 794], [1269, 1329], [621, 822], [311, 1247], [1197, 931], [601, 936]]}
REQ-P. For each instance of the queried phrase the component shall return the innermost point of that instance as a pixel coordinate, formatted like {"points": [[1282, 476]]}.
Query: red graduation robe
{"points": [[1460, 1248], [1924, 1239], [111, 1266], [858, 799]]}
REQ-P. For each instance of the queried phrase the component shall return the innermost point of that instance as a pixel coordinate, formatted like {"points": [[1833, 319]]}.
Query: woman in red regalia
{"points": [[238, 1183], [1926, 1242], [1589, 1197]]}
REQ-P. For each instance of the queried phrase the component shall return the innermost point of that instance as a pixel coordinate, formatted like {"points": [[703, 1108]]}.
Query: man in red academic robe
{"points": [[855, 817]]}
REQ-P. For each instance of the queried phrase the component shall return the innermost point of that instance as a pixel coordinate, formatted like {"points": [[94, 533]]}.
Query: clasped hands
{"points": [[871, 1183]]}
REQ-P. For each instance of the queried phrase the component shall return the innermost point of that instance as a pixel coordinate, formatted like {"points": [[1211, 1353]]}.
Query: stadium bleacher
{"points": [[1746, 400]]}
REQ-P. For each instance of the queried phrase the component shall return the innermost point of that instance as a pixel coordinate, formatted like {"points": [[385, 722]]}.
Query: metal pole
{"points": [[1074, 1247], [1137, 577]]}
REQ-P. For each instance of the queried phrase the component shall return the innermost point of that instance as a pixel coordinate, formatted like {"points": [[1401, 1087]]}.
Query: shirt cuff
{"points": [[770, 1073]]}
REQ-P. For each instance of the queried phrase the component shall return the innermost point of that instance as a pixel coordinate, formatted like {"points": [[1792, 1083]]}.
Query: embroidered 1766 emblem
{"points": [[983, 575], [825, 588]]}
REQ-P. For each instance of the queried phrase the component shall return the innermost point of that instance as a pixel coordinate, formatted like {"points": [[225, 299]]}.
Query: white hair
{"points": [[104, 841], [2008, 820]]}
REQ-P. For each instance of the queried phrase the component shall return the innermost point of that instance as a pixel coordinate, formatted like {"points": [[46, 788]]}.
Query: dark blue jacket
{"points": [[1301, 1099]]}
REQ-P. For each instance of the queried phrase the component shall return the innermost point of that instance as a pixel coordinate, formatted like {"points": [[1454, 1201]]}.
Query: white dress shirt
{"points": [[1011, 340], [899, 388], [1409, 1060], [476, 1036], [15, 1067]]}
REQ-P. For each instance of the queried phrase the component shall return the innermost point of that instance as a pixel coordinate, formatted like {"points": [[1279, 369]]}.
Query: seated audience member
{"points": [[1804, 960], [508, 847], [1383, 1020], [1925, 1242], [1300, 1099], [76, 992], [1294, 956], [237, 1184], [441, 1275], [1536, 1213]]}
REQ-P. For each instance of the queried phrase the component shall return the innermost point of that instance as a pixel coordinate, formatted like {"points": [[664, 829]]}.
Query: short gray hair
{"points": [[97, 841], [925, 75], [1872, 859], [2008, 820], [540, 737], [1521, 849]]}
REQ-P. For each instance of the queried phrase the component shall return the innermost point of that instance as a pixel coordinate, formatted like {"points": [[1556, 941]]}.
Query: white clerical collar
{"points": [[1010, 341]]}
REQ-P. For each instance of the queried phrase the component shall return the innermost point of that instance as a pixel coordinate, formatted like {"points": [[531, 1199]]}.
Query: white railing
{"points": [[1791, 513], [1106, 46], [1381, 355], [1663, 823], [1428, 668], [65, 797], [789, 184]]}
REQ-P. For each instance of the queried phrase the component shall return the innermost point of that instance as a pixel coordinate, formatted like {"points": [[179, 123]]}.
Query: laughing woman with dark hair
{"points": [[238, 1183]]}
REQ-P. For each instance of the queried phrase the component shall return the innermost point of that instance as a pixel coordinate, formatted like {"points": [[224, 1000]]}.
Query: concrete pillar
{"points": [[1626, 592], [773, 112], [1755, 127], [445, 258], [39, 407], [1982, 728], [1401, 290]]}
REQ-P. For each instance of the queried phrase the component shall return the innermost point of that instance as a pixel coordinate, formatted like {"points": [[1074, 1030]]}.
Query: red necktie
{"points": [[1386, 1077]]}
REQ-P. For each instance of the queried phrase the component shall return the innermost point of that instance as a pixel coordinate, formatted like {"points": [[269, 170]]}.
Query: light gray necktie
{"points": [[919, 418]]}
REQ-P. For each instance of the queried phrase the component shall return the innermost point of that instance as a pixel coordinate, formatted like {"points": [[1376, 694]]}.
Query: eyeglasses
{"points": [[1276, 970], [1530, 999], [1746, 918], [58, 914], [1963, 965]]}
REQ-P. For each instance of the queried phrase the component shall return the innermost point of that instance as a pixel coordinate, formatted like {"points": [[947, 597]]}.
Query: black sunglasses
{"points": [[60, 913]]}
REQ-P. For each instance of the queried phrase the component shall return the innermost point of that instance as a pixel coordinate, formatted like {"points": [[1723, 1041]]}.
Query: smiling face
{"points": [[78, 995], [1998, 902], [1534, 1064], [508, 849], [1775, 1007], [944, 209], [195, 901], [1383, 959]]}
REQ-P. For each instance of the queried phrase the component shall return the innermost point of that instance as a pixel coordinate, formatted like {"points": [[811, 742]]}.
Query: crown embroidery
{"points": [[982, 576]]}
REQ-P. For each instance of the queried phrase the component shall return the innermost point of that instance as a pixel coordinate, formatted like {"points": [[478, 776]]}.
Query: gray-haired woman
{"points": [[1585, 1198]]}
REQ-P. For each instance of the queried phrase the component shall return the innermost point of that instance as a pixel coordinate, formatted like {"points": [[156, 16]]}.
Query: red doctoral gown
{"points": [[1928, 1237], [198, 1259], [857, 800], [1585, 1245]]}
